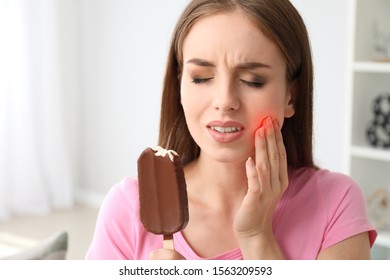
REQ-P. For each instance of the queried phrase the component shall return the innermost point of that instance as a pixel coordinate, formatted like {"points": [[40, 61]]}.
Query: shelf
{"points": [[369, 77], [370, 153], [371, 67], [383, 239]]}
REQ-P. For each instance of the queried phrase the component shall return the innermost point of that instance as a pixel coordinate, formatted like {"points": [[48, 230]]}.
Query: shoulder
{"points": [[127, 188], [333, 192], [320, 175], [337, 187], [120, 204], [121, 200], [117, 223], [325, 182], [128, 185], [341, 199]]}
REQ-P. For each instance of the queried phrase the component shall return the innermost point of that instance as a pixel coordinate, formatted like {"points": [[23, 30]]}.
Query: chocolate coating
{"points": [[162, 192]]}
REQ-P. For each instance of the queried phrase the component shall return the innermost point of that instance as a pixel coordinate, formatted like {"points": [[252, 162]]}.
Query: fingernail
{"points": [[250, 162], [268, 122], [261, 132], [276, 124]]}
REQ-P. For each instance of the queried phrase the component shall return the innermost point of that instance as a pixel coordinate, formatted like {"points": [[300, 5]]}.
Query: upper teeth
{"points": [[225, 129]]}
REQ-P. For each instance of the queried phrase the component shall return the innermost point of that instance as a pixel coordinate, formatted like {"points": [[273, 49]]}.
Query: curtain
{"points": [[34, 155]]}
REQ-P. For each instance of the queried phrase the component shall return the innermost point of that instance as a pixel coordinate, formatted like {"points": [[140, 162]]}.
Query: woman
{"points": [[237, 106]]}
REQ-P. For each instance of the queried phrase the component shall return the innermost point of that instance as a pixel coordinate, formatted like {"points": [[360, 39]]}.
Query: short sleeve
{"points": [[113, 238], [347, 215]]}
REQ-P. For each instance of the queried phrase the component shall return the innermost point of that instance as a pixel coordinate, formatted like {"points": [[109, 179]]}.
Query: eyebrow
{"points": [[252, 65], [200, 62], [242, 66]]}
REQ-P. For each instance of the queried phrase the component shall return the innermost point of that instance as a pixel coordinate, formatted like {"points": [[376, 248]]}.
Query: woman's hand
{"points": [[165, 254], [267, 181]]}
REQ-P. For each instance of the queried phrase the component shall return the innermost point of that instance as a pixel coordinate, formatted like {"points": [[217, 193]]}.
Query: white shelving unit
{"points": [[371, 67], [369, 76]]}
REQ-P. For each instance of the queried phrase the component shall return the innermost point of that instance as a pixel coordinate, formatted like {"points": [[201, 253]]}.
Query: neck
{"points": [[219, 183]]}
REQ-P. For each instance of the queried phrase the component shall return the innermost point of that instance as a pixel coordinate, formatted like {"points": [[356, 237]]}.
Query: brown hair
{"points": [[280, 21]]}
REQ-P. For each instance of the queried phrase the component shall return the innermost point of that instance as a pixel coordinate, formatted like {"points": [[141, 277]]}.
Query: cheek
{"points": [[187, 108], [187, 94], [188, 100], [193, 100], [185, 99], [192, 107], [273, 111]]}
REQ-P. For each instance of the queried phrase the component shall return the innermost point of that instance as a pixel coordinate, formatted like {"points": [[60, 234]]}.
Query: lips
{"points": [[225, 132]]}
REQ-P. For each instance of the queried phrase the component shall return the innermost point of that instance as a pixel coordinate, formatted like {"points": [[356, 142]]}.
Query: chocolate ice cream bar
{"points": [[162, 192]]}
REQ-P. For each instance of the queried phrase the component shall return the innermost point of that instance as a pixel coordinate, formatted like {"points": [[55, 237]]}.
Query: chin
{"points": [[226, 155]]}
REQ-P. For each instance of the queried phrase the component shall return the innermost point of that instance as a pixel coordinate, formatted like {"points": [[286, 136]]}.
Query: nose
{"points": [[226, 98]]}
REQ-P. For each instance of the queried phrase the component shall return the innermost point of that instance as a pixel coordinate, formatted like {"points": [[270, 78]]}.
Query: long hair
{"points": [[281, 22]]}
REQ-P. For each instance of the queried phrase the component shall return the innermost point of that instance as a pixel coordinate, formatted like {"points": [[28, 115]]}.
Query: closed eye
{"points": [[255, 84], [199, 81]]}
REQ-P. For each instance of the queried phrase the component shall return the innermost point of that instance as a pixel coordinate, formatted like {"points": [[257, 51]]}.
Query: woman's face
{"points": [[233, 78]]}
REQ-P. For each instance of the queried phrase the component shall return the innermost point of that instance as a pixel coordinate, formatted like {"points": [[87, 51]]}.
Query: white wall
{"points": [[327, 22], [123, 49], [123, 52]]}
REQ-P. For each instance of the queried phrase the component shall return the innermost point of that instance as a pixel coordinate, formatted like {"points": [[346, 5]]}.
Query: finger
{"points": [[262, 163], [254, 188], [283, 167], [273, 153], [253, 178]]}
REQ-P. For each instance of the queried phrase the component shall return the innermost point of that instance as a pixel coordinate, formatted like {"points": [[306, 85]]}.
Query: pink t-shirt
{"points": [[318, 209]]}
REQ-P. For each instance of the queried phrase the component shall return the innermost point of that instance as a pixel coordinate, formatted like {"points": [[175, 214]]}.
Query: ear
{"points": [[289, 107]]}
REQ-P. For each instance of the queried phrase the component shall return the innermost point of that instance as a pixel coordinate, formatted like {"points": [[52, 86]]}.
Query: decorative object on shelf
{"points": [[381, 43], [378, 204], [378, 130]]}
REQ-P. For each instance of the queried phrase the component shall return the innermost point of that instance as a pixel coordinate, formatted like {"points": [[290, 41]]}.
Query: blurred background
{"points": [[80, 86]]}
